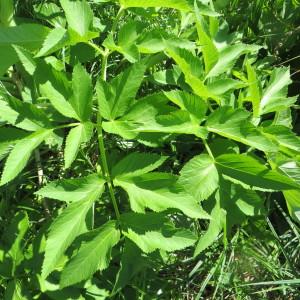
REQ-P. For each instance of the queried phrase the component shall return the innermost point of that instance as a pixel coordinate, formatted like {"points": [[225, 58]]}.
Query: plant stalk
{"points": [[102, 151]]}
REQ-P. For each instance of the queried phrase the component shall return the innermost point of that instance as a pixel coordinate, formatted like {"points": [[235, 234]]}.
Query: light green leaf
{"points": [[26, 110], [200, 177], [208, 48], [228, 57], [29, 36], [248, 170], [283, 136], [21, 153], [115, 98], [81, 100], [216, 225], [191, 67], [55, 40], [94, 254], [26, 59], [153, 231], [79, 16], [159, 192], [136, 164], [189, 102], [76, 137], [274, 96], [176, 4], [233, 124], [292, 197], [57, 100], [73, 190], [254, 90], [65, 228]]}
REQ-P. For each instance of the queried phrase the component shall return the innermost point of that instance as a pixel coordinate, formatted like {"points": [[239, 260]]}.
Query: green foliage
{"points": [[139, 137]]}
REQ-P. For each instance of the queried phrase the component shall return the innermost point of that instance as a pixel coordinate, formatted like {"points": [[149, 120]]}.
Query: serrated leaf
{"points": [[76, 137], [233, 124], [283, 136], [28, 111], [94, 254], [65, 228], [208, 48], [152, 231], [73, 190], [55, 40], [7, 114], [79, 15], [228, 57], [200, 177], [176, 4], [81, 100], [191, 67], [248, 170], [275, 95], [8, 137], [196, 106], [159, 192], [217, 222], [26, 59], [21, 153], [136, 164], [57, 100], [30, 36], [115, 98]]}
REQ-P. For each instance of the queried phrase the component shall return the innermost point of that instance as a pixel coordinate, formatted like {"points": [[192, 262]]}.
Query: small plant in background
{"points": [[145, 147]]}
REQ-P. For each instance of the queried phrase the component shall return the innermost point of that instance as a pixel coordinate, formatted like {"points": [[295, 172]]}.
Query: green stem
{"points": [[208, 149], [105, 169], [102, 151], [97, 48]]}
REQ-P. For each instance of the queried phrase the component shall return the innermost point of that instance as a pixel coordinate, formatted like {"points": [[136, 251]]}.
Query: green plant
{"points": [[158, 140]]}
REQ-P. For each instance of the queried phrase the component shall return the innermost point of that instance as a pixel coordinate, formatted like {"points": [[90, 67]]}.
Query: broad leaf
{"points": [[21, 153], [159, 192], [79, 16], [248, 170], [58, 100], [94, 254], [200, 177], [82, 98], [189, 102], [65, 228], [136, 164], [208, 48], [217, 223], [274, 97], [228, 57], [55, 40], [76, 137], [115, 98], [154, 231], [73, 190], [234, 124], [283, 136]]}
